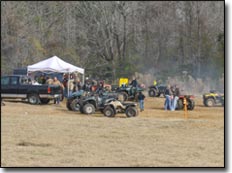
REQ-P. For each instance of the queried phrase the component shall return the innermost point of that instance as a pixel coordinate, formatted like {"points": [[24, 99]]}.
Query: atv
{"points": [[156, 90], [73, 101], [88, 105], [129, 92], [190, 102], [113, 107], [213, 98]]}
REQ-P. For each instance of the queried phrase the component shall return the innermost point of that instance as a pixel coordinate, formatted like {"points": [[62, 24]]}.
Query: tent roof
{"points": [[54, 64]]}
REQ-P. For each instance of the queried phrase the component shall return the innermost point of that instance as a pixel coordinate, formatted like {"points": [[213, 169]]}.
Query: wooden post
{"points": [[185, 108]]}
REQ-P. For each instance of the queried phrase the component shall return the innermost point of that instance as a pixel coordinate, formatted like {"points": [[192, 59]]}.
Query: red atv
{"points": [[190, 102]]}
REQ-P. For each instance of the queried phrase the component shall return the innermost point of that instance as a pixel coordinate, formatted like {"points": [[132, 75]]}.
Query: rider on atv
{"points": [[134, 85]]}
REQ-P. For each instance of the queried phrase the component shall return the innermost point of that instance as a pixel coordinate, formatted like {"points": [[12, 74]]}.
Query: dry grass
{"points": [[52, 136]]}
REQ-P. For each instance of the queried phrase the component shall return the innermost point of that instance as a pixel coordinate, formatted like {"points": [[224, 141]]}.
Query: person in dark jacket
{"points": [[134, 82], [168, 97], [100, 88], [176, 94], [134, 85], [141, 98]]}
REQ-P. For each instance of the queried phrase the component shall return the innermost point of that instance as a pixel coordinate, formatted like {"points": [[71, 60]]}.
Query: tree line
{"points": [[112, 39]]}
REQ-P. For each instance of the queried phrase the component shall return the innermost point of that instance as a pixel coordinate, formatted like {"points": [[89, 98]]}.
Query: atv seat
{"points": [[107, 100], [128, 103]]}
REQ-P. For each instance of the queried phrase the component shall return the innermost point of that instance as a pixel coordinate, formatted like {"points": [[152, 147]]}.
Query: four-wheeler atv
{"points": [[129, 92], [190, 102], [156, 90], [113, 107], [90, 104], [73, 101], [213, 98]]}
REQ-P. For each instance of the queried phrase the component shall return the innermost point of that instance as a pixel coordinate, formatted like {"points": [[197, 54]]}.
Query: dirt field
{"points": [[52, 136]]}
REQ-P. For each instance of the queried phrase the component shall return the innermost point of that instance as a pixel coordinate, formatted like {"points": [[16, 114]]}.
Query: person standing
{"points": [[87, 86], [176, 94], [168, 95], [49, 80], [141, 98], [77, 85], [65, 84], [57, 82], [70, 85]]}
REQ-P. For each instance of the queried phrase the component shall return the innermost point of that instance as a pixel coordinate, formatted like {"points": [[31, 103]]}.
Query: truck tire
{"points": [[33, 99], [44, 100], [131, 112], [108, 111], [88, 109]]}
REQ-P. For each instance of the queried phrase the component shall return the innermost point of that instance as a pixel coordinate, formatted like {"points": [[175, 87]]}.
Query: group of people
{"points": [[69, 86], [55, 81], [171, 96]]}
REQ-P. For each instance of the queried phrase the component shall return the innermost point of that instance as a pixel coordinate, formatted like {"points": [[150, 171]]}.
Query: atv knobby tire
{"points": [[88, 109], [209, 102], [68, 106], [191, 104], [108, 111], [131, 112], [75, 106], [125, 96], [180, 105], [152, 93]]}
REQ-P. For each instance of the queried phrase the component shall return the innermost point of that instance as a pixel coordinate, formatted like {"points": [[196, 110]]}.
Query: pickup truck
{"points": [[21, 86]]}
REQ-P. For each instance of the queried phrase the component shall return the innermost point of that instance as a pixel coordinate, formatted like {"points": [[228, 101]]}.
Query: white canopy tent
{"points": [[55, 64]]}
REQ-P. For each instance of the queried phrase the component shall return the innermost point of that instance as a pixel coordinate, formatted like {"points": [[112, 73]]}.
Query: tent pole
{"points": [[83, 79]]}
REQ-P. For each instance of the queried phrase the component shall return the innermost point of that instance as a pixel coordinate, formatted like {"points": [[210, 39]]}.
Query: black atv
{"points": [[156, 90], [88, 105], [73, 101], [129, 92], [113, 107]]}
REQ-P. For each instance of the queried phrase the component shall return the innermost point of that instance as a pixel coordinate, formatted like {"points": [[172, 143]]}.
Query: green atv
{"points": [[129, 92], [213, 98]]}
